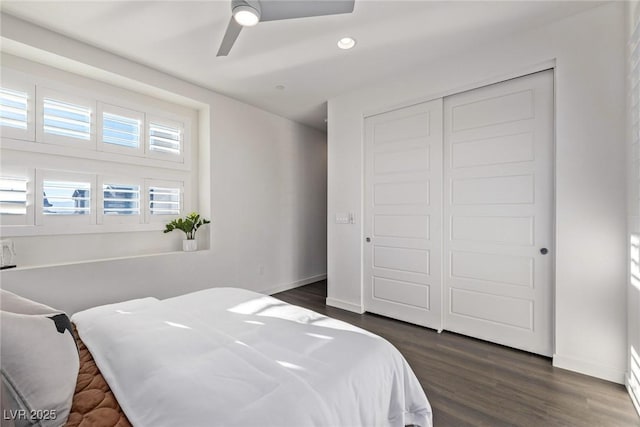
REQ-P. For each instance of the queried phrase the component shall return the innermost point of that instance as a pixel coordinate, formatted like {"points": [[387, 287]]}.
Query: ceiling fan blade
{"points": [[230, 36], [275, 10]]}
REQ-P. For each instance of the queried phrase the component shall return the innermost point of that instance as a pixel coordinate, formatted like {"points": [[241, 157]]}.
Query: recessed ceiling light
{"points": [[346, 43]]}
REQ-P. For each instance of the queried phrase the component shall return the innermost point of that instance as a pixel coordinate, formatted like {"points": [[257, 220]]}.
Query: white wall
{"points": [[263, 182], [590, 292], [633, 179]]}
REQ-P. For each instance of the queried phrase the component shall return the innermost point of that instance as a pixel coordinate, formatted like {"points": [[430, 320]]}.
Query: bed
{"points": [[232, 357]]}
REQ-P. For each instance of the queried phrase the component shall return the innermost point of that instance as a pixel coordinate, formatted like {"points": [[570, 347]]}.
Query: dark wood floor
{"points": [[474, 383]]}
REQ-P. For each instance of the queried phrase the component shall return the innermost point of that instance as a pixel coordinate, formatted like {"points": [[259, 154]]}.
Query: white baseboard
{"points": [[345, 305], [588, 368], [293, 285]]}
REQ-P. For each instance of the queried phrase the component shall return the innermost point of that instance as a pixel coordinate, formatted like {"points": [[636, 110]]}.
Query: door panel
{"points": [[401, 193], [492, 190], [408, 226], [401, 259], [403, 205], [517, 230], [493, 151], [409, 294], [496, 268], [496, 310], [498, 211], [499, 108]]}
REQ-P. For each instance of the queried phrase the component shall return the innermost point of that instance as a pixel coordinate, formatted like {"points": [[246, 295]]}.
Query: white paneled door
{"points": [[498, 213], [403, 214]]}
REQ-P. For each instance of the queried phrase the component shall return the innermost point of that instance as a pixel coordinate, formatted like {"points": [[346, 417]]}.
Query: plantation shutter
{"points": [[165, 139], [14, 109], [66, 119]]}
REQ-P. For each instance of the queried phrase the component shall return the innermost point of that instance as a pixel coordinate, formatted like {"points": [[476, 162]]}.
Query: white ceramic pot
{"points": [[189, 245]]}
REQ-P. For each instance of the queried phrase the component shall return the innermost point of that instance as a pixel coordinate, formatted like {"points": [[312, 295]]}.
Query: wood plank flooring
{"points": [[474, 383]]}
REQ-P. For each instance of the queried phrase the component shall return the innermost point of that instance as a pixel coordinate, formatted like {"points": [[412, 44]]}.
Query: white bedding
{"points": [[231, 357]]}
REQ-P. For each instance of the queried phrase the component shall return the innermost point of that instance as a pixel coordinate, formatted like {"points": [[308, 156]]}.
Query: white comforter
{"points": [[231, 357]]}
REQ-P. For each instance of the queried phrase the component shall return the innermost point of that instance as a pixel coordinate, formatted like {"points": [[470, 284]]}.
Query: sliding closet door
{"points": [[403, 214], [498, 213]]}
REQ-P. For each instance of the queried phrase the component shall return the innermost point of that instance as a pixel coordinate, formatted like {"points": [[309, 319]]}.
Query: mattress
{"points": [[94, 404], [228, 356]]}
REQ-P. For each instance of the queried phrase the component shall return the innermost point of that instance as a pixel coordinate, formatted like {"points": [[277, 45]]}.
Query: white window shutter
{"points": [[66, 119], [120, 199], [66, 197], [165, 139], [13, 196], [120, 130], [14, 109], [164, 200]]}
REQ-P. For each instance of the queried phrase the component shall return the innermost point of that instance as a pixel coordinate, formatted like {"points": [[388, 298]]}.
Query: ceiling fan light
{"points": [[246, 15]]}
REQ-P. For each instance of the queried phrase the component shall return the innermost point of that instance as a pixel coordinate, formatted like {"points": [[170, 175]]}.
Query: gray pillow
{"points": [[39, 361], [16, 304]]}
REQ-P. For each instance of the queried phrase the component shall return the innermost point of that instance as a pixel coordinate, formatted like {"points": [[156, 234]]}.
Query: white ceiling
{"points": [[182, 37]]}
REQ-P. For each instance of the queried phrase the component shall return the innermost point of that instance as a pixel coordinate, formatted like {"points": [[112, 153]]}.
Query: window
{"points": [[165, 140], [64, 198], [16, 196], [120, 130], [120, 200], [13, 196], [164, 200], [68, 117], [14, 107], [65, 119], [96, 162]]}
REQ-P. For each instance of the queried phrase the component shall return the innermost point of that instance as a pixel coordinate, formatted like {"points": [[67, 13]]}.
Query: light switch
{"points": [[342, 218]]}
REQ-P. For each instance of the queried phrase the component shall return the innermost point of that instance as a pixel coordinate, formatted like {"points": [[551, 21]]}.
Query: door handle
{"points": [[544, 251]]}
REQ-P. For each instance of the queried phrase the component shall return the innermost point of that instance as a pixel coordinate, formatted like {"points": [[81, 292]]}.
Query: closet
{"points": [[458, 213]]}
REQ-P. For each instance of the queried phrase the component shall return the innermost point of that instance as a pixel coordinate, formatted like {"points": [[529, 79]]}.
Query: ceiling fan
{"points": [[247, 13]]}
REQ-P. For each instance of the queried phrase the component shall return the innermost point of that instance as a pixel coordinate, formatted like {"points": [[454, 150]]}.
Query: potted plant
{"points": [[189, 225]]}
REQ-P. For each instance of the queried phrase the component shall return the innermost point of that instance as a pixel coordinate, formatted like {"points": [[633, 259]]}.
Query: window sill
{"points": [[62, 229], [200, 252]]}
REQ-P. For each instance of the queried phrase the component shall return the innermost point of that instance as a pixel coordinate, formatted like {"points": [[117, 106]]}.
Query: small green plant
{"points": [[189, 225]]}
